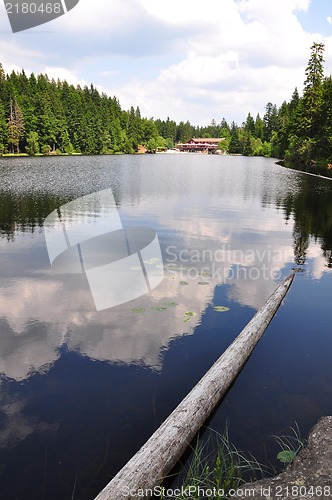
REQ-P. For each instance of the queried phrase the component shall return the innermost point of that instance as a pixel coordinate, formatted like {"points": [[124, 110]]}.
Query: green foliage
{"points": [[309, 116], [286, 456], [271, 120], [224, 145], [3, 129], [32, 146], [235, 146], [301, 130], [216, 466], [138, 309], [155, 144], [266, 149], [188, 315], [16, 126], [46, 149], [169, 143], [152, 146], [259, 132], [39, 114], [290, 445]]}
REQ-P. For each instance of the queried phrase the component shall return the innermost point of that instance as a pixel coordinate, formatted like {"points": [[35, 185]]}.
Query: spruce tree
{"points": [[312, 93]]}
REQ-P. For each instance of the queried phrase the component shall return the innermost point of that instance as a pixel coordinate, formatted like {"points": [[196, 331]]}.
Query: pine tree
{"points": [[32, 146], [271, 120], [249, 125], [3, 129], [259, 128], [20, 124], [15, 126], [312, 92], [235, 146]]}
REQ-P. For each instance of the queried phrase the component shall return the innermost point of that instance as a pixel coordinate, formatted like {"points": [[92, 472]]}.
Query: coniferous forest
{"points": [[39, 115]]}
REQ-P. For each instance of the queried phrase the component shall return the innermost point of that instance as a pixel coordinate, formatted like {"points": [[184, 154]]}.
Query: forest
{"points": [[39, 115]]}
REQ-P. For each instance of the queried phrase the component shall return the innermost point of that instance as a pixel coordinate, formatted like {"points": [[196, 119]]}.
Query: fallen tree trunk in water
{"points": [[158, 455]]}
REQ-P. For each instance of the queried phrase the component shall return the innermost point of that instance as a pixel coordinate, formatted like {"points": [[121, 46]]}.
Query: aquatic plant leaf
{"points": [[286, 456], [221, 309], [160, 308], [180, 268], [154, 260], [138, 309], [203, 283], [188, 315], [183, 283], [171, 304]]}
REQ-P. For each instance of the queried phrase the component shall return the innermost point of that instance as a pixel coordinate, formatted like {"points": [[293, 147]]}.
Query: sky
{"points": [[185, 59]]}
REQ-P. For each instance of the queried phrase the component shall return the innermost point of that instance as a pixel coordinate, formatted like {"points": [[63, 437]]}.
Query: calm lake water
{"points": [[81, 390]]}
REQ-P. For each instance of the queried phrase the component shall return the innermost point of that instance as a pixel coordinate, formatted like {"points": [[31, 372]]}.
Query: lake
{"points": [[82, 389]]}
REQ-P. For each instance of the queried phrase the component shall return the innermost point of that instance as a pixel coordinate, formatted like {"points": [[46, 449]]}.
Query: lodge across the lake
{"points": [[201, 145]]}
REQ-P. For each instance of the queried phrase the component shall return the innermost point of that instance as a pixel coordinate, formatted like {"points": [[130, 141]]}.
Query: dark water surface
{"points": [[81, 390]]}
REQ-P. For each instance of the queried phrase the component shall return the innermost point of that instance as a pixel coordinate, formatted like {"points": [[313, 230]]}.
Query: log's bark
{"points": [[158, 455]]}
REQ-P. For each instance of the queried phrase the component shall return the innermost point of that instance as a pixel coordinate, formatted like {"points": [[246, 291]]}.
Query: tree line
{"points": [[41, 115]]}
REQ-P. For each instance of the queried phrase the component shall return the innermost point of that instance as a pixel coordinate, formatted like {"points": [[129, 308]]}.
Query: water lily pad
{"points": [[154, 260], [221, 309], [171, 304], [203, 283], [160, 308], [138, 309], [286, 456], [183, 283], [188, 315]]}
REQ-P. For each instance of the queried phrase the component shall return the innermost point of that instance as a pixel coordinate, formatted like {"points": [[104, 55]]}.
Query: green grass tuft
{"points": [[216, 472]]}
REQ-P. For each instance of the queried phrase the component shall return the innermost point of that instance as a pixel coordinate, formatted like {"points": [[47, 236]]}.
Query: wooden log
{"points": [[158, 455]]}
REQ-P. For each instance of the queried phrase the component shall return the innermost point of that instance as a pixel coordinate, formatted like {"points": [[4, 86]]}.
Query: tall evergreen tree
{"points": [[235, 146], [3, 129], [271, 120], [312, 93], [15, 126]]}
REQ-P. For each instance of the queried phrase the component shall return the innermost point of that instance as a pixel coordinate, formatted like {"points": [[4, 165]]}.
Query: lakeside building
{"points": [[201, 145]]}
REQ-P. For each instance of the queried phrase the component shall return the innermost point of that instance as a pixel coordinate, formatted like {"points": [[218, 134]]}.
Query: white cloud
{"points": [[241, 56], [64, 74], [99, 17], [175, 58], [14, 57], [188, 12]]}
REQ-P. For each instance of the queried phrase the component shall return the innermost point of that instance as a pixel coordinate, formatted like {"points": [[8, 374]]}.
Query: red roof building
{"points": [[201, 145]]}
